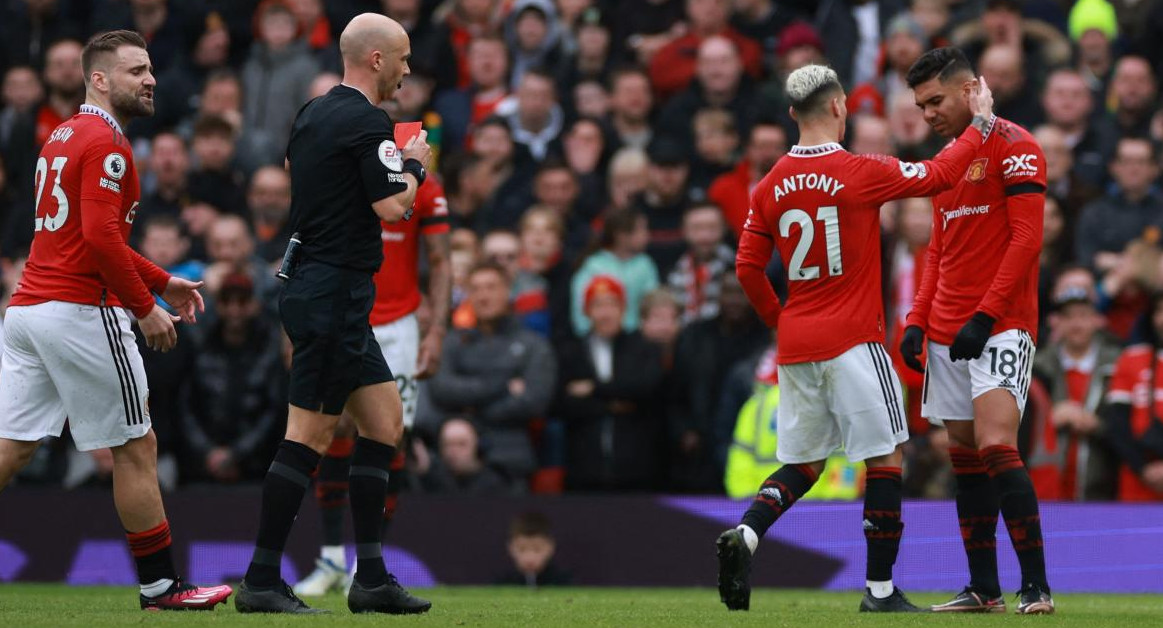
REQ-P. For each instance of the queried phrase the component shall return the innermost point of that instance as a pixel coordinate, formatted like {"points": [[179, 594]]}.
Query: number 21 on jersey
{"points": [[53, 222], [796, 270]]}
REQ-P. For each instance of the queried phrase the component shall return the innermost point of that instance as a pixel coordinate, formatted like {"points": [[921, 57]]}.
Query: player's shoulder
{"points": [[1011, 133]]}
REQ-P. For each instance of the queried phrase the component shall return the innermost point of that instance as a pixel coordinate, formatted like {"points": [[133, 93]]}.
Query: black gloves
{"points": [[970, 341], [911, 346]]}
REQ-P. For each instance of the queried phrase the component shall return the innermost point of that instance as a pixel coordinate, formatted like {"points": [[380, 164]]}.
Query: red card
{"points": [[405, 131]]}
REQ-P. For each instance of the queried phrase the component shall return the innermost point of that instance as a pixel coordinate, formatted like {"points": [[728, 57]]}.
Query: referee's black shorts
{"points": [[325, 314]]}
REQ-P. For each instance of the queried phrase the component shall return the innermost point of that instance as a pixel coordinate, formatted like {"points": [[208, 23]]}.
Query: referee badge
{"points": [[391, 156]]}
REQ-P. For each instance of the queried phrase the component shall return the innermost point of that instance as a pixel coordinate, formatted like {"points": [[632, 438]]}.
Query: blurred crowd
{"points": [[597, 157]]}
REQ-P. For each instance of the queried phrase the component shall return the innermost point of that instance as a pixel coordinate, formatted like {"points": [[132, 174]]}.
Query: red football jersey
{"points": [[1129, 385], [398, 280], [987, 233], [820, 205], [86, 199]]}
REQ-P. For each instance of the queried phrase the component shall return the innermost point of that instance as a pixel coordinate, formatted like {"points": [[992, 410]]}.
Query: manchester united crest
{"points": [[976, 172]]}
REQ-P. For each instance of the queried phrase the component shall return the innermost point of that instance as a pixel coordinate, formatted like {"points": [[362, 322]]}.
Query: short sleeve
{"points": [[105, 172], [1023, 165], [381, 162]]}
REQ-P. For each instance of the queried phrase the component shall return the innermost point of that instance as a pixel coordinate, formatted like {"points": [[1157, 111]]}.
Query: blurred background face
{"points": [[625, 184], [535, 99], [458, 447], [412, 97], [632, 98], [1001, 66], [214, 151], [168, 160], [539, 240], [1067, 99], [269, 194], [1133, 84], [475, 10], [556, 188], [768, 143], [488, 293], [504, 249], [1052, 222], [229, 241], [198, 217], [902, 50], [222, 96], [531, 553], [1001, 24], [593, 41], [661, 324], [62, 70], [164, 245], [708, 15], [236, 309], [487, 63], [1059, 159], [584, 145], [1075, 325], [21, 89], [531, 29], [703, 230], [605, 311], [591, 99], [871, 136], [1133, 168], [667, 181], [278, 28], [715, 144], [916, 221], [733, 304], [493, 143], [718, 67]]}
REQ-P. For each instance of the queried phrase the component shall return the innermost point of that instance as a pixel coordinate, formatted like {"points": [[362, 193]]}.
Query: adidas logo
{"points": [[868, 525], [1006, 383], [773, 493]]}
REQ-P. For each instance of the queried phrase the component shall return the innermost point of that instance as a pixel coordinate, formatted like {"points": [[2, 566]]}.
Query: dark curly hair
{"points": [[941, 63]]}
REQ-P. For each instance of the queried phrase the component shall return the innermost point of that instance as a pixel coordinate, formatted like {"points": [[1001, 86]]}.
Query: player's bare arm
{"points": [[440, 298]]}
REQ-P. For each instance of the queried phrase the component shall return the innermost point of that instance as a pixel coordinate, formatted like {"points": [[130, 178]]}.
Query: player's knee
{"points": [[15, 455], [961, 434], [312, 429], [139, 452]]}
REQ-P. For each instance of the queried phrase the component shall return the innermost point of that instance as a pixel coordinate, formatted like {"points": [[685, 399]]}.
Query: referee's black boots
{"points": [[388, 597]]}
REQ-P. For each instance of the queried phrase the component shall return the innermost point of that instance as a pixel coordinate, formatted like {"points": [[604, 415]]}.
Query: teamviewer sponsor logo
{"points": [[1020, 166], [964, 210]]}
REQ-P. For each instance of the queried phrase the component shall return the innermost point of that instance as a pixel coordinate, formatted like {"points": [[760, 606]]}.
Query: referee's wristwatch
{"points": [[416, 169]]}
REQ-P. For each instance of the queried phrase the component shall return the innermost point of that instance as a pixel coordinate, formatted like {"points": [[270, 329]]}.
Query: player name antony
{"points": [[808, 181]]}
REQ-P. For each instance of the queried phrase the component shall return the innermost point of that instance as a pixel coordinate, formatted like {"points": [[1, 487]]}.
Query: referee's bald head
{"points": [[376, 47]]}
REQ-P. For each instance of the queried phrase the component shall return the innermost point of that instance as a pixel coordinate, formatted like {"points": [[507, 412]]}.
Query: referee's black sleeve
{"points": [[381, 162]]}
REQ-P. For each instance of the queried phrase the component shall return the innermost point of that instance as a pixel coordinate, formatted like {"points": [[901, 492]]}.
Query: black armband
{"points": [[416, 169]]}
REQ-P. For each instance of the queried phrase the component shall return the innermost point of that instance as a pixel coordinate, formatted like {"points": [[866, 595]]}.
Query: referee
{"points": [[346, 175]]}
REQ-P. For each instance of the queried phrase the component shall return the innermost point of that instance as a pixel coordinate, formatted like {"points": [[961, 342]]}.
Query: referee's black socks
{"points": [[370, 462], [282, 493]]}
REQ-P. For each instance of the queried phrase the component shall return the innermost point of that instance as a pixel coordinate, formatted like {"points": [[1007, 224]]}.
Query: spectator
{"points": [[854, 39], [1093, 29], [269, 201], [462, 108], [197, 217], [534, 113], [230, 409], [427, 44], [163, 24], [1069, 107], [469, 184], [762, 20], [697, 278], [164, 244], [28, 30], [644, 27], [706, 352], [231, 251], [556, 187], [529, 294], [1063, 183], [661, 323], [1134, 91], [460, 469], [871, 136], [510, 184], [1111, 222], [277, 73], [1067, 455], [913, 138], [731, 192], [1054, 255], [215, 175], [914, 224], [608, 383], [19, 95], [716, 148], [1041, 45], [621, 255], [631, 102], [905, 42], [316, 30], [720, 83], [590, 99], [169, 165], [590, 60], [458, 25], [586, 155], [222, 96], [464, 254], [497, 374], [64, 84], [626, 177], [672, 69], [531, 546], [533, 35], [664, 200], [542, 231], [1013, 96], [1131, 415]]}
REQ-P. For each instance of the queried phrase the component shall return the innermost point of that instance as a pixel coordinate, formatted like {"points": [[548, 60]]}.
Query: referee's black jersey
{"points": [[343, 158]]}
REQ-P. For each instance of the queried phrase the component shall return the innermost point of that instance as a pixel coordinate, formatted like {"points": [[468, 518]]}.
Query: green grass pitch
{"points": [[98, 607]]}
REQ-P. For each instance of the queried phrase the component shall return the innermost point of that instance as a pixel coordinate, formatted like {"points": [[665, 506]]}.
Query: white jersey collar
{"points": [[814, 151], [94, 110]]}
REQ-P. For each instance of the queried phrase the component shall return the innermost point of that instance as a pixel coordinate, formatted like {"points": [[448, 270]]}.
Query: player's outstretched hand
{"points": [[183, 296], [158, 327], [970, 341], [911, 346], [419, 149]]}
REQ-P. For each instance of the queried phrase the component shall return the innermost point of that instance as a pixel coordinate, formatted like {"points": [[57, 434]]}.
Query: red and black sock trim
{"points": [[1019, 507], [779, 492], [151, 553], [1001, 458], [882, 521], [977, 508], [966, 460]]}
